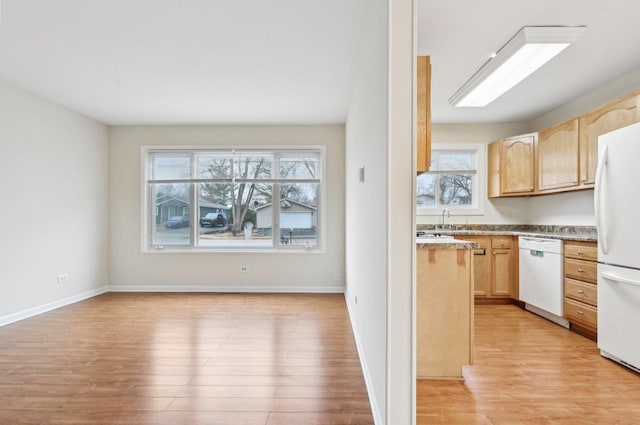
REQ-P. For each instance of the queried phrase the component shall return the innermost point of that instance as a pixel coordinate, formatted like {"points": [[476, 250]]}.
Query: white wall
{"points": [[54, 214], [379, 210], [495, 211], [366, 203], [604, 94], [563, 209], [131, 269]]}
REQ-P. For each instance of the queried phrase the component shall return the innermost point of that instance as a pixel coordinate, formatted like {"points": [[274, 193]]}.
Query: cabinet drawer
{"points": [[501, 242], [581, 270], [581, 313], [582, 252], [580, 291]]}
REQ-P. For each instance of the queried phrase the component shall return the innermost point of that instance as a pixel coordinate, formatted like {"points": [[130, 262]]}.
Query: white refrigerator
{"points": [[617, 211]]}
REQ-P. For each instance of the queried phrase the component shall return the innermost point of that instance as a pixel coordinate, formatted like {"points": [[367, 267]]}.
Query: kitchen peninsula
{"points": [[444, 307]]}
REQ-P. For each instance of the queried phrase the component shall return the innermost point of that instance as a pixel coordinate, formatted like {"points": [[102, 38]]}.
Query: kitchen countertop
{"points": [[576, 233], [445, 243]]}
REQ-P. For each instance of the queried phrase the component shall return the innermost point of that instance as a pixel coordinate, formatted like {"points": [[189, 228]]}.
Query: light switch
{"points": [[361, 174]]}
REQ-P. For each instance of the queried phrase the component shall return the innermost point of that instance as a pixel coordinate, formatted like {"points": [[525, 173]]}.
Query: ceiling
{"points": [[185, 61], [288, 61], [460, 36]]}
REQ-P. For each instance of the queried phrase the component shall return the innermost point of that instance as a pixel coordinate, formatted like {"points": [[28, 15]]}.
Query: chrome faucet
{"points": [[445, 211]]}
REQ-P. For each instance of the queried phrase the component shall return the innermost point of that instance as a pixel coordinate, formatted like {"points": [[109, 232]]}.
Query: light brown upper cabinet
{"points": [[493, 170], [424, 114], [612, 116], [515, 171], [558, 165]]}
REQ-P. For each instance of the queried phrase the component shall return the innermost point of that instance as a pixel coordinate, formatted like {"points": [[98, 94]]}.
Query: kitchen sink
{"points": [[423, 234]]}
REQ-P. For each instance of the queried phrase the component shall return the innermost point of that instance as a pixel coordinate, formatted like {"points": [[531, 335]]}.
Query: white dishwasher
{"points": [[541, 281]]}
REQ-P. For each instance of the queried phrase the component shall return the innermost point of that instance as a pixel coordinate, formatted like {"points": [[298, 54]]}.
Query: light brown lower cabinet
{"points": [[444, 312], [580, 287], [495, 267]]}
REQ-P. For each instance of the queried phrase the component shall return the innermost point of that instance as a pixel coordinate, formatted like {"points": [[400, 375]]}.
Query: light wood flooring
{"points": [[530, 371], [194, 359]]}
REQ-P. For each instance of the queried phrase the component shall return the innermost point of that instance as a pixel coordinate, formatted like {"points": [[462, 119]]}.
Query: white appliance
{"points": [[541, 283], [617, 210]]}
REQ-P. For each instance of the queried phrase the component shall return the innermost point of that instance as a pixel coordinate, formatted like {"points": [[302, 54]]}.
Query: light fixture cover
{"points": [[527, 51]]}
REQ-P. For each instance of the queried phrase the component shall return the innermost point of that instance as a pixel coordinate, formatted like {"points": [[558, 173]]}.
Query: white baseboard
{"points": [[229, 288], [377, 417], [14, 317]]}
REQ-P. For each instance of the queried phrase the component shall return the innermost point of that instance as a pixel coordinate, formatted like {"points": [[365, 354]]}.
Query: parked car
{"points": [[177, 221], [214, 220]]}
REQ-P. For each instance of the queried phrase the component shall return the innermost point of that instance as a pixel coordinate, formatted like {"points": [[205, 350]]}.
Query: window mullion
{"points": [[195, 202], [275, 202]]}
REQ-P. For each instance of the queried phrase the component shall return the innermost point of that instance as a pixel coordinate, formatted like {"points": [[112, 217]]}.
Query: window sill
{"points": [[175, 250]]}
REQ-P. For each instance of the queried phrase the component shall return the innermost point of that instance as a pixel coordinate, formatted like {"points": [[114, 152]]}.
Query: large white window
{"points": [[454, 181], [233, 199]]}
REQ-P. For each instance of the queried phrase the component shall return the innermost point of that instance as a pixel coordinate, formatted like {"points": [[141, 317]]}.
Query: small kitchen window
{"points": [[454, 180]]}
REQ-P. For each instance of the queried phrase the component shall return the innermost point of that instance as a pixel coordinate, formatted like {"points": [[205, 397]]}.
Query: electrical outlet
{"points": [[244, 269], [63, 278]]}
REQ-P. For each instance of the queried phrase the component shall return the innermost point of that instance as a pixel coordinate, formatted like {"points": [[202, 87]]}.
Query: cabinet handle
{"points": [[580, 253], [580, 312], [584, 180], [580, 291], [580, 270], [575, 182]]}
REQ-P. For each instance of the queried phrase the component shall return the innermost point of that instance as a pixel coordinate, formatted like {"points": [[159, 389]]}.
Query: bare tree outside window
{"points": [[220, 192], [450, 181]]}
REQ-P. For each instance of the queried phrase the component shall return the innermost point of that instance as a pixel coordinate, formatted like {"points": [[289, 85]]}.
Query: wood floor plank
{"points": [[318, 419], [530, 371], [193, 359]]}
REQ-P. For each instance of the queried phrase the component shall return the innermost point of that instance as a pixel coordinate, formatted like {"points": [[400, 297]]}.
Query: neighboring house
{"points": [[293, 215], [168, 206]]}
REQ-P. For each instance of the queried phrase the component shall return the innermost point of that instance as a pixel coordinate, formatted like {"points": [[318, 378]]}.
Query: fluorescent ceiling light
{"points": [[527, 51]]}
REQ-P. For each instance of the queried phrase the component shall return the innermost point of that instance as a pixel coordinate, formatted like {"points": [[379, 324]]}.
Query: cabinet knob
{"points": [[494, 253], [501, 243], [575, 182], [580, 270], [584, 180]]}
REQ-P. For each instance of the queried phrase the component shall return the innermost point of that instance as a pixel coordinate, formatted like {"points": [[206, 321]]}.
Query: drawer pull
{"points": [[580, 253], [580, 291], [580, 312], [580, 270], [501, 243]]}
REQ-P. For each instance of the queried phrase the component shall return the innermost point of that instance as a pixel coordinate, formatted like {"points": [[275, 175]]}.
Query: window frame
{"points": [[147, 209], [479, 185]]}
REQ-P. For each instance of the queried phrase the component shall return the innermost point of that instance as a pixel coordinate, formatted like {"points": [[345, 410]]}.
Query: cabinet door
{"points": [[610, 117], [501, 263], [517, 165], [493, 170], [481, 266], [558, 156], [424, 114]]}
